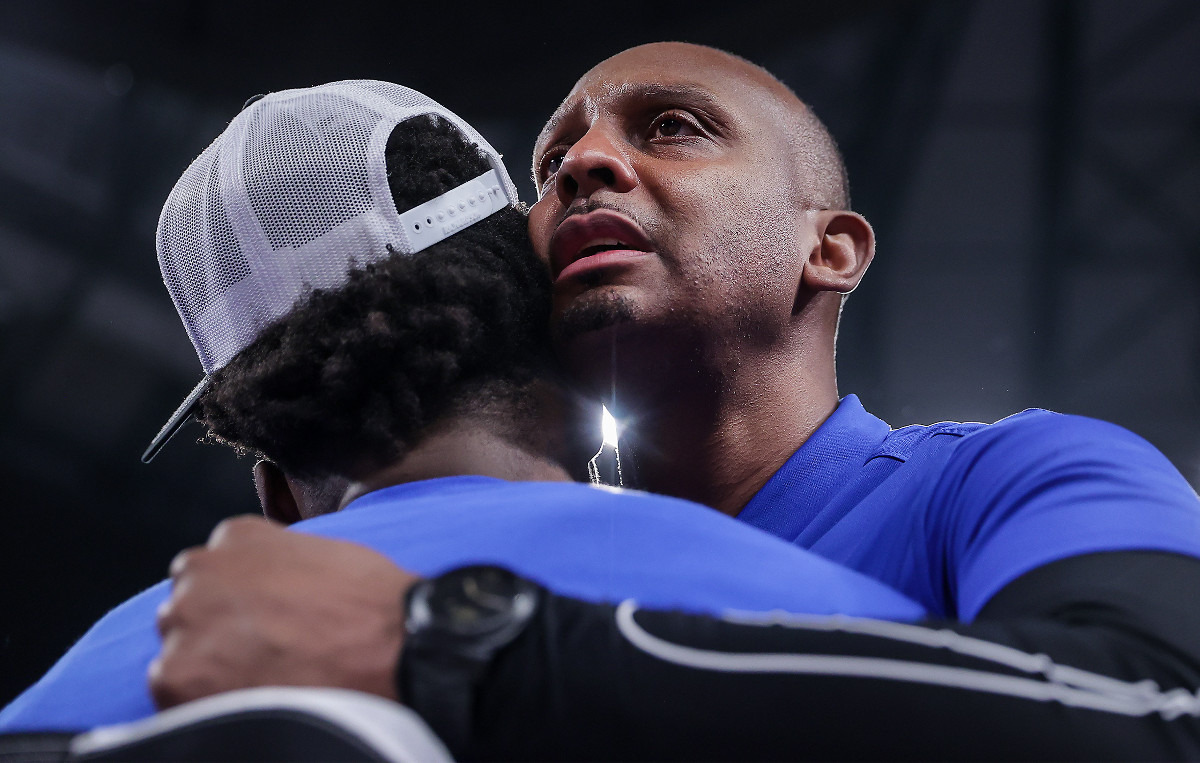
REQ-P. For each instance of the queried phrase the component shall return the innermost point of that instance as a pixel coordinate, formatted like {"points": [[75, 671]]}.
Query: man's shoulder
{"points": [[1033, 452], [101, 678], [1029, 434], [1039, 458], [1037, 436]]}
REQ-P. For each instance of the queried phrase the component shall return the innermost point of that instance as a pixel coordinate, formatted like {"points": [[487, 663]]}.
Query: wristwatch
{"points": [[456, 624]]}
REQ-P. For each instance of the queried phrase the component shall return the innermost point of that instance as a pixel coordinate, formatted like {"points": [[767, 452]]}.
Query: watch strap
{"points": [[440, 670]]}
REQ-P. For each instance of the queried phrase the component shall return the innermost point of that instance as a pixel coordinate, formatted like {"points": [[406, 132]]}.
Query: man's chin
{"points": [[591, 313], [615, 350]]}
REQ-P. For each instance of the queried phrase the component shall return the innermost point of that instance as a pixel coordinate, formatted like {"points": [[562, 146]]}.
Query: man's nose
{"points": [[594, 163]]}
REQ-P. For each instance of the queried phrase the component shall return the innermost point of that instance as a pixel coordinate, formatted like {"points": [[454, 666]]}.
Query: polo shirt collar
{"points": [[821, 467]]}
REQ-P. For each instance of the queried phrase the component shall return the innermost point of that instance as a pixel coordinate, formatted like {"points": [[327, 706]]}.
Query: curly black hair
{"points": [[352, 375]]}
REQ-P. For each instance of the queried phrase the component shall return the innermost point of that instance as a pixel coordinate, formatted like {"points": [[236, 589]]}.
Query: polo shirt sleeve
{"points": [[1038, 487], [101, 680]]}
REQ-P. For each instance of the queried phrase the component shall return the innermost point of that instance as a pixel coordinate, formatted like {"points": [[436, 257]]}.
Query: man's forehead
{"points": [[666, 70], [672, 60]]}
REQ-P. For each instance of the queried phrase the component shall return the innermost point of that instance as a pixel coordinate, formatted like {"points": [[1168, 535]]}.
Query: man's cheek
{"points": [[540, 230]]}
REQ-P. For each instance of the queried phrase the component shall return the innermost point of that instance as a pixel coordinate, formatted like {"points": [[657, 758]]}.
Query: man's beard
{"points": [[592, 313]]}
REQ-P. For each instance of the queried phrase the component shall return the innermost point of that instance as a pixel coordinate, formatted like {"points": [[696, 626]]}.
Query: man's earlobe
{"points": [[842, 253], [275, 493]]}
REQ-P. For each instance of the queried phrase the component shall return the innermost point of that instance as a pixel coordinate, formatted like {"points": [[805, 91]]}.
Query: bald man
{"points": [[694, 217], [711, 324]]}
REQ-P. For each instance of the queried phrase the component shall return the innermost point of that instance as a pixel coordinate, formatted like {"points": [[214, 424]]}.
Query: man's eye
{"points": [[551, 164], [670, 126]]}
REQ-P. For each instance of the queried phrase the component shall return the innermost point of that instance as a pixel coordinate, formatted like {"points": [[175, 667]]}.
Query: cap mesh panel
{"points": [[198, 223], [321, 181]]}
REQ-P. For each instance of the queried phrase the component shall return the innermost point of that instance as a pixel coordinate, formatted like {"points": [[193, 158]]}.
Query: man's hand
{"points": [[261, 606]]}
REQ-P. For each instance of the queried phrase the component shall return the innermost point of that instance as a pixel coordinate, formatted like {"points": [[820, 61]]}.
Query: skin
{"points": [[716, 344]]}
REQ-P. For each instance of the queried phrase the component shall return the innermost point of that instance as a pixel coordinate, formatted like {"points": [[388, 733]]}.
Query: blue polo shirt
{"points": [[949, 514], [591, 543]]}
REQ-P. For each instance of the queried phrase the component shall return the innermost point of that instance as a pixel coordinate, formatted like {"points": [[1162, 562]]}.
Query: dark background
{"points": [[1031, 169]]}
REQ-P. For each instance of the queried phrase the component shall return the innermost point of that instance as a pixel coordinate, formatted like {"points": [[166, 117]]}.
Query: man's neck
{"points": [[720, 452], [712, 429], [457, 449]]}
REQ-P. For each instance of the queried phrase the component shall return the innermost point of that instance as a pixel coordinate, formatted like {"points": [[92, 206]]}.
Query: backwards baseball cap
{"points": [[289, 198]]}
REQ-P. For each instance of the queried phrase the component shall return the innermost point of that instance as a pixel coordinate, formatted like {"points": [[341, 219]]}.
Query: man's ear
{"points": [[275, 493], [844, 249]]}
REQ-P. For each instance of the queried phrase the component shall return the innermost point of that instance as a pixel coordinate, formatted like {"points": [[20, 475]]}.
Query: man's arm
{"points": [[1094, 657], [596, 681]]}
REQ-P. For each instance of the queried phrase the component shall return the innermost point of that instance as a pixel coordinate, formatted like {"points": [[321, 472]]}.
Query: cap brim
{"points": [[177, 420]]}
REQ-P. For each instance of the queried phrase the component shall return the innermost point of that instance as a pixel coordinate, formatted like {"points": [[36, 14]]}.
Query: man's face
{"points": [[669, 198]]}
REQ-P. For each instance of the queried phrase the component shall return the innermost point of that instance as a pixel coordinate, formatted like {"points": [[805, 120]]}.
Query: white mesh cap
{"points": [[291, 196]]}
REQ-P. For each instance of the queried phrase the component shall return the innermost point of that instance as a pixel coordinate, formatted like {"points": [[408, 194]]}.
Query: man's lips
{"points": [[595, 240]]}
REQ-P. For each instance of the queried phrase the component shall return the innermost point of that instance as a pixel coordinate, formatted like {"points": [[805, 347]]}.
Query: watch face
{"points": [[477, 600]]}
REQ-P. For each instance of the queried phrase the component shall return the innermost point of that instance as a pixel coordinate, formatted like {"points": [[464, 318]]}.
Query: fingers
{"points": [[177, 676], [259, 605], [245, 528], [163, 697], [164, 689], [180, 563], [229, 533], [202, 578]]}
